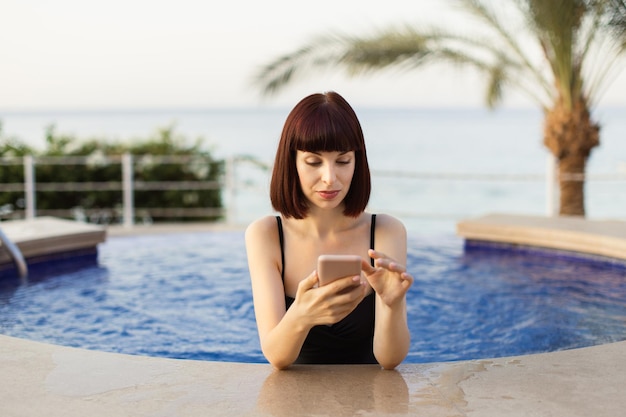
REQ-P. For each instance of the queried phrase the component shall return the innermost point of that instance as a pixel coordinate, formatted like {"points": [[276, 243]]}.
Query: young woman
{"points": [[321, 186]]}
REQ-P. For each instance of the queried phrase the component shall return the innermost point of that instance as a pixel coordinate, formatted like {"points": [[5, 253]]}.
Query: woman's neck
{"points": [[324, 223]]}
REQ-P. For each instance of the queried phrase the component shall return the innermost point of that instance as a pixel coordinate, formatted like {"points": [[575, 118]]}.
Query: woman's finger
{"points": [[344, 284], [382, 260], [408, 278], [366, 267], [309, 282], [389, 264], [375, 254]]}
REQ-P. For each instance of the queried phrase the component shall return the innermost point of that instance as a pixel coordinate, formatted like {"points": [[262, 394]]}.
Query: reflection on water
{"points": [[334, 390]]}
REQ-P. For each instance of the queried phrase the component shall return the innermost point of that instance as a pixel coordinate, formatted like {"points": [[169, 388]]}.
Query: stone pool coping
{"points": [[43, 379], [606, 238], [48, 237]]}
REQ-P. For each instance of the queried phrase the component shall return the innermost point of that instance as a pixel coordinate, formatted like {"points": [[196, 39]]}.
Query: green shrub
{"points": [[163, 157]]}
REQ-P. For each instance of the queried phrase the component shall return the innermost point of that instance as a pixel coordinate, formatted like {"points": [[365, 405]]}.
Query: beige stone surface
{"points": [[44, 236], [596, 237], [38, 379]]}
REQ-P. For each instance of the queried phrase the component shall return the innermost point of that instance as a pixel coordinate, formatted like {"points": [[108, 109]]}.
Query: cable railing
{"points": [[242, 175], [128, 185]]}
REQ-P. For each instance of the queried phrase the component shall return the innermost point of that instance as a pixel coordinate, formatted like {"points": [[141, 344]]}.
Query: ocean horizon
{"points": [[430, 166]]}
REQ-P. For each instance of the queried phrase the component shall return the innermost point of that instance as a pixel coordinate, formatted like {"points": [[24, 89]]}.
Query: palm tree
{"points": [[562, 54]]}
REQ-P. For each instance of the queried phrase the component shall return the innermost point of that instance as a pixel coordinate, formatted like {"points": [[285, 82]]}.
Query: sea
{"points": [[431, 167]]}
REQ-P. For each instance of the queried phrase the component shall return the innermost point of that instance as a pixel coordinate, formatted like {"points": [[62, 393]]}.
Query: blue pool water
{"points": [[188, 296]]}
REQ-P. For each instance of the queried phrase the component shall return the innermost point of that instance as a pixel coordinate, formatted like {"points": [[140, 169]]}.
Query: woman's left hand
{"points": [[389, 279]]}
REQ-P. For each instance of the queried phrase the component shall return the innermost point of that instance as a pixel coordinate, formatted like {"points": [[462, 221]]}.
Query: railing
{"points": [[128, 185], [242, 174]]}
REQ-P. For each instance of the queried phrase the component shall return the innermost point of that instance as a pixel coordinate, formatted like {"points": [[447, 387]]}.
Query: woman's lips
{"points": [[328, 195]]}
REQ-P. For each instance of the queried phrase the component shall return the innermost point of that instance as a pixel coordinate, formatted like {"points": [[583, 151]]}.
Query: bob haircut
{"points": [[319, 123]]}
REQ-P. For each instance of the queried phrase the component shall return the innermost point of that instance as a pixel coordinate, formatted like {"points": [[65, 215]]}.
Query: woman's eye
{"points": [[344, 162], [313, 163]]}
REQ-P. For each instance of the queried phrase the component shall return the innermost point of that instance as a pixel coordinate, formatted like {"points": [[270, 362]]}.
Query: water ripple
{"points": [[188, 296]]}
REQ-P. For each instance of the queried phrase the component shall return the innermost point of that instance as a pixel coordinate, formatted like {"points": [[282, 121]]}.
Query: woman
{"points": [[321, 186]]}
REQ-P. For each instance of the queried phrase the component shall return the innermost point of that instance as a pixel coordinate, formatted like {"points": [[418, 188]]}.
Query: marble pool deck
{"points": [[38, 379]]}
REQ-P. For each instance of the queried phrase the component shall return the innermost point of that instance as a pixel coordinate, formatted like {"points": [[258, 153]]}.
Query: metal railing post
{"points": [[29, 187], [127, 186]]}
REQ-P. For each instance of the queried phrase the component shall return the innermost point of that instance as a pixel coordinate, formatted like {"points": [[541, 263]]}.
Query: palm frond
{"points": [[321, 51], [389, 48], [556, 64], [511, 45], [616, 11], [494, 86]]}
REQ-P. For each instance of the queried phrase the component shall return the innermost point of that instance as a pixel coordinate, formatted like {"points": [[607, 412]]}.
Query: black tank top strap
{"points": [[372, 237], [281, 239]]}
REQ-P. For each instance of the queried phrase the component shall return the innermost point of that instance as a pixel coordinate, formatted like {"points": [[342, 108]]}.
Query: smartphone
{"points": [[332, 267]]}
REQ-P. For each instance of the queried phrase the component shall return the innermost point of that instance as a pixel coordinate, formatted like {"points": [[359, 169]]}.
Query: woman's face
{"points": [[325, 177]]}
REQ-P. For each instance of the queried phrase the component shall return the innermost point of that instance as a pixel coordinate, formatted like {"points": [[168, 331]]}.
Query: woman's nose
{"points": [[329, 176]]}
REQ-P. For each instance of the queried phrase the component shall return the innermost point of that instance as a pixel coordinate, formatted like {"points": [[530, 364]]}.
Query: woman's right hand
{"points": [[330, 303]]}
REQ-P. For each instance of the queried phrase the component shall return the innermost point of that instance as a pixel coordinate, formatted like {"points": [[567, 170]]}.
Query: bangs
{"points": [[327, 131]]}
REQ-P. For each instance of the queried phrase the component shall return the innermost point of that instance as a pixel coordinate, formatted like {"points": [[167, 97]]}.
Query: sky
{"points": [[131, 54]]}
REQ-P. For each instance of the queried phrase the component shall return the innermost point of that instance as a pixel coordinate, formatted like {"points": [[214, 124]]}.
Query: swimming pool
{"points": [[188, 296]]}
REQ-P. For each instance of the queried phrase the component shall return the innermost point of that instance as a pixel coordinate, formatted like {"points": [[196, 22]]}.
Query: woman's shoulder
{"points": [[389, 223], [391, 237], [261, 227]]}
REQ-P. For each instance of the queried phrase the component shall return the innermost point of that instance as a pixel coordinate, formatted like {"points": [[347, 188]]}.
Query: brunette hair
{"points": [[319, 123]]}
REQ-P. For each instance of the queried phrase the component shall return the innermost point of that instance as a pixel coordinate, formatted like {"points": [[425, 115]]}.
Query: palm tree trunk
{"points": [[572, 185], [570, 134]]}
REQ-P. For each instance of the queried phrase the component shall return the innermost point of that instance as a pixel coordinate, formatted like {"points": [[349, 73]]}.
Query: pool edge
{"points": [[605, 238], [44, 379]]}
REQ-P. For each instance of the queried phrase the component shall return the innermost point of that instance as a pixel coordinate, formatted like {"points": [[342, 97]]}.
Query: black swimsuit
{"points": [[349, 341]]}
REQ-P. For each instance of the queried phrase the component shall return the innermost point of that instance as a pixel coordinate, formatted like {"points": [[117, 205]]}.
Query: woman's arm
{"points": [[282, 332], [391, 282]]}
